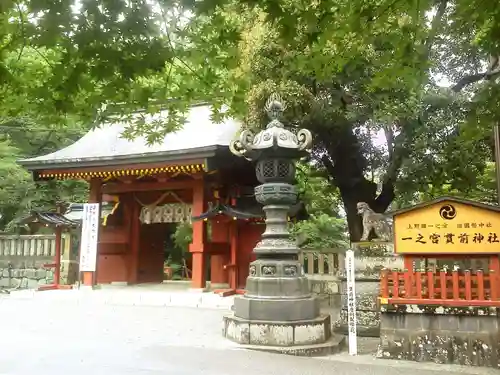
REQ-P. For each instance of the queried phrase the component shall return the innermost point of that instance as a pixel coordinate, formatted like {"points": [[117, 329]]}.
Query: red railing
{"points": [[455, 288]]}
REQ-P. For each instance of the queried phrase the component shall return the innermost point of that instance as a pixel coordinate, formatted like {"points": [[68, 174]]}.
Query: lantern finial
{"points": [[275, 108]]}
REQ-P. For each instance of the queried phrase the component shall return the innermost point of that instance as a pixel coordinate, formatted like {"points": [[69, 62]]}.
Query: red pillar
{"points": [[233, 240], [90, 278], [57, 270], [197, 247], [408, 262], [133, 210], [495, 275]]}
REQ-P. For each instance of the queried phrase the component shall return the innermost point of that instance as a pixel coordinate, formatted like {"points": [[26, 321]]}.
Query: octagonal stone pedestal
{"points": [[301, 338]]}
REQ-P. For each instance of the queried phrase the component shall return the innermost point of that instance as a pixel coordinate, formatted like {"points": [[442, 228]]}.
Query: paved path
{"points": [[131, 296], [49, 336]]}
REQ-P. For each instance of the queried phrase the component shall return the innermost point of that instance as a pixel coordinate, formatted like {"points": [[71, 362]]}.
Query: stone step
{"points": [[334, 345]]}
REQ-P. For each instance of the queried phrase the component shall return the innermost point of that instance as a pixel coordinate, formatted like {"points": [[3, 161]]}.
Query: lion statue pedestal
{"points": [[377, 230]]}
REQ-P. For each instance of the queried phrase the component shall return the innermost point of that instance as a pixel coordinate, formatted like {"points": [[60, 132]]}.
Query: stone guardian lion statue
{"points": [[372, 220]]}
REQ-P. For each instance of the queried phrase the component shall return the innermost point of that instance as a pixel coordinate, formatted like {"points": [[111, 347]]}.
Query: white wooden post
{"points": [[351, 302]]}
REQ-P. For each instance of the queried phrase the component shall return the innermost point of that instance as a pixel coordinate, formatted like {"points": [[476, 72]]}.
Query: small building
{"points": [[448, 232], [444, 306], [154, 186]]}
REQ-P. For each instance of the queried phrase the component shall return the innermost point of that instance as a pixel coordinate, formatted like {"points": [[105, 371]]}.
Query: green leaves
{"points": [[350, 71], [30, 126], [18, 193], [322, 232], [182, 236], [324, 229]]}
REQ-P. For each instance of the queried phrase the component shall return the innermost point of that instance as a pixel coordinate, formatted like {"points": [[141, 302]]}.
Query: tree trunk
{"points": [[364, 191], [346, 164]]}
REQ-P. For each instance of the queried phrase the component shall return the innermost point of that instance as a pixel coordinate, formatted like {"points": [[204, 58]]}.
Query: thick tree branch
{"points": [[330, 168], [396, 158], [473, 78], [389, 138], [397, 154], [467, 80], [491, 72], [435, 27], [385, 198]]}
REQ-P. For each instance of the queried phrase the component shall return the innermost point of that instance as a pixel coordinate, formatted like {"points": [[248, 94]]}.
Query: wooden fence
{"points": [[455, 288], [39, 245]]}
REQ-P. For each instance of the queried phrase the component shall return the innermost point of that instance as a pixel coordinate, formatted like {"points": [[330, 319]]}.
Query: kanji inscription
{"points": [[448, 227]]}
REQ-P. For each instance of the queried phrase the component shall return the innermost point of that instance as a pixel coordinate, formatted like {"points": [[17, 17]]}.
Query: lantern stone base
{"points": [[276, 309], [310, 337]]}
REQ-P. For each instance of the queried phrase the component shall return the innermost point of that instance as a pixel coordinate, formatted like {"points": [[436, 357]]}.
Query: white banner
{"points": [[351, 302], [90, 233]]}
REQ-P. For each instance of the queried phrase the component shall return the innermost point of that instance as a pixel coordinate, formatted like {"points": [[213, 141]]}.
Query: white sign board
{"points": [[90, 233], [351, 302]]}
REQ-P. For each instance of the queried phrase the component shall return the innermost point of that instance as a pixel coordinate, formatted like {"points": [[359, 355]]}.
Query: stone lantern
{"points": [[278, 309]]}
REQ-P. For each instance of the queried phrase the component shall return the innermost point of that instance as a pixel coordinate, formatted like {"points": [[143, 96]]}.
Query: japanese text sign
{"points": [[447, 227], [351, 302], [90, 233]]}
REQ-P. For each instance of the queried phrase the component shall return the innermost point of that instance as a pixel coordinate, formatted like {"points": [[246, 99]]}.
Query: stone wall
{"points": [[370, 267], [25, 273], [367, 273], [22, 260], [326, 288], [465, 336]]}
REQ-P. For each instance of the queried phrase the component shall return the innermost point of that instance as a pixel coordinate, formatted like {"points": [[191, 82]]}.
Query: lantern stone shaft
{"points": [[277, 288], [278, 312]]}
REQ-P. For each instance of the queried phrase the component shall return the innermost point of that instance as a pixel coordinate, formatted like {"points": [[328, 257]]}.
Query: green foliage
{"points": [[322, 232], [324, 229], [29, 126], [347, 69], [483, 190], [183, 236], [319, 195], [14, 185]]}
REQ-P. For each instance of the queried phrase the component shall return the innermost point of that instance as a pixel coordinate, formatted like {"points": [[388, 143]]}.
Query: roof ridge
{"points": [[443, 198]]}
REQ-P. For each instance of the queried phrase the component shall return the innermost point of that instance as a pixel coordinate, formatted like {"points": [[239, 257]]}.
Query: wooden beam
{"points": [[116, 188], [163, 177], [125, 179]]}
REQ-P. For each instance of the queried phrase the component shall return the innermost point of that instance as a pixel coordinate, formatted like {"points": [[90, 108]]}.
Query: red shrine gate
{"points": [[192, 164], [179, 179]]}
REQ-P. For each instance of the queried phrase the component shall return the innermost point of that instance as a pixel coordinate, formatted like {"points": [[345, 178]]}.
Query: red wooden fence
{"points": [[455, 288]]}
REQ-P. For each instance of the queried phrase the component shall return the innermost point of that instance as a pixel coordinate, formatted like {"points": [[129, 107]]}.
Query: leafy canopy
{"points": [[30, 127], [349, 70]]}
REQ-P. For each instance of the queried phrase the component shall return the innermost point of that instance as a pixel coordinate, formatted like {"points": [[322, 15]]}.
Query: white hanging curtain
{"points": [[166, 213]]}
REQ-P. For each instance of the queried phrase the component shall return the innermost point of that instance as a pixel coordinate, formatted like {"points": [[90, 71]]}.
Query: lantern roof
{"points": [[274, 141]]}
